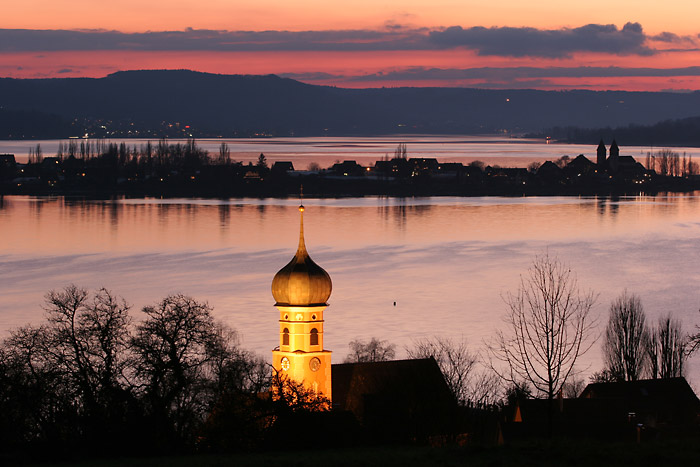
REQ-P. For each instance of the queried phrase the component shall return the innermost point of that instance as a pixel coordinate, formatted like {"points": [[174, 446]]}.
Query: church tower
{"points": [[614, 159], [601, 155], [301, 290]]}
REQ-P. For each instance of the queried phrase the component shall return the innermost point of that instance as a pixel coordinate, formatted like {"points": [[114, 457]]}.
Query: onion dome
{"points": [[301, 282]]}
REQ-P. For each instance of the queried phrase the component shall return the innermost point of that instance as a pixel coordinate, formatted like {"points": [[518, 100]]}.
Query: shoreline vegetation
{"points": [[100, 168], [673, 132]]}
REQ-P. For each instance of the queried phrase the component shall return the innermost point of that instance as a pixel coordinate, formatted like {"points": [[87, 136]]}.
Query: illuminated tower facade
{"points": [[301, 290]]}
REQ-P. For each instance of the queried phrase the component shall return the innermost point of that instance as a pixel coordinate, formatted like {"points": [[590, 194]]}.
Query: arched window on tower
{"points": [[285, 336], [314, 337]]}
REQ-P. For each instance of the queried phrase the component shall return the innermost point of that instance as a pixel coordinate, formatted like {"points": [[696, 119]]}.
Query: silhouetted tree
{"points": [[239, 414], [373, 351], [515, 393], [67, 376], [562, 161], [548, 327], [262, 162], [478, 164], [533, 166], [87, 338], [573, 386], [460, 367], [667, 349], [224, 155], [290, 395], [400, 152], [626, 339], [694, 341], [602, 376], [84, 381], [36, 406], [177, 348]]}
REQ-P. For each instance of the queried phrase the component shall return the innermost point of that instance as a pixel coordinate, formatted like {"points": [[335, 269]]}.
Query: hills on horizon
{"points": [[155, 103]]}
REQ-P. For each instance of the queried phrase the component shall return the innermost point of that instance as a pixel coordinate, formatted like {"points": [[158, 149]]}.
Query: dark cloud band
{"points": [[503, 41], [497, 77], [554, 43], [498, 73]]}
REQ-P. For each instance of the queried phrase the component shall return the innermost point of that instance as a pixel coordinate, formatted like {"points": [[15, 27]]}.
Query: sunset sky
{"points": [[614, 44]]}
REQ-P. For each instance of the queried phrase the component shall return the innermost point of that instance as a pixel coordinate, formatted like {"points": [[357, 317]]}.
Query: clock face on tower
{"points": [[315, 364], [285, 363]]}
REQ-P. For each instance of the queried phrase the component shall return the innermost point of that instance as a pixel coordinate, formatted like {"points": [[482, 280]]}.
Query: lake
{"points": [[446, 262]]}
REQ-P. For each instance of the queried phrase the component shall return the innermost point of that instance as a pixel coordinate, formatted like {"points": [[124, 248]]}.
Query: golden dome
{"points": [[301, 282]]}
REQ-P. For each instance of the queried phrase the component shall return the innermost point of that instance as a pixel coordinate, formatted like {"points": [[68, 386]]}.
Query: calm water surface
{"points": [[446, 262]]}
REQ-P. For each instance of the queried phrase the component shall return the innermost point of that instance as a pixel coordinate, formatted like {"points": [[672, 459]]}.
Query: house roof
{"points": [[283, 166], [675, 389], [582, 160], [611, 410], [415, 382], [549, 167]]}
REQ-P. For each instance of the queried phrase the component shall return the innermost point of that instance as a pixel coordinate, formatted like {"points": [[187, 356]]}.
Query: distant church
{"points": [[602, 153], [301, 290], [623, 166]]}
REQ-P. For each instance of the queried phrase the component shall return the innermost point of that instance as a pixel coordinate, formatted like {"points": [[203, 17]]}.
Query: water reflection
{"points": [[114, 212], [400, 210], [78, 225], [224, 215]]}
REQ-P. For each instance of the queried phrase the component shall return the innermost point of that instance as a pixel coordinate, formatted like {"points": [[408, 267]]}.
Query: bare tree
{"points": [[533, 166], [400, 152], [626, 337], [294, 396], [461, 368], [224, 155], [562, 162], [573, 386], [602, 376], [548, 327], [313, 167], [694, 342], [87, 339], [64, 379], [372, 351], [667, 349], [669, 162], [692, 167], [177, 351]]}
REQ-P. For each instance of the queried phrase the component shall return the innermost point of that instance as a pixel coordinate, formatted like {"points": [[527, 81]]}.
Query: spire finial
{"points": [[302, 246]]}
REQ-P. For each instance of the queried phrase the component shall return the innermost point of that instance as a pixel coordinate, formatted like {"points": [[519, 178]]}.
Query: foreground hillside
{"points": [[536, 453], [181, 102]]}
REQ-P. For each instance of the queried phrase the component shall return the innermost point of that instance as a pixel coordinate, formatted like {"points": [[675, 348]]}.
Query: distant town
{"points": [[99, 168]]}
